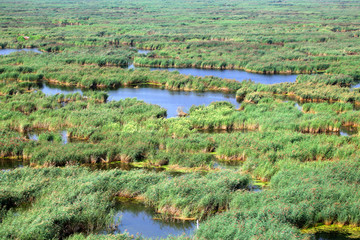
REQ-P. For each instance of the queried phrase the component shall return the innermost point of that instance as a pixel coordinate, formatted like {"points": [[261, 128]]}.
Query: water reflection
{"points": [[135, 218]]}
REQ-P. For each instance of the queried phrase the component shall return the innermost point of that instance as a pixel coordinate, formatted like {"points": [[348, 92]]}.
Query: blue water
{"points": [[143, 51], [135, 218], [170, 100], [8, 51], [356, 86], [237, 75], [34, 135], [55, 89]]}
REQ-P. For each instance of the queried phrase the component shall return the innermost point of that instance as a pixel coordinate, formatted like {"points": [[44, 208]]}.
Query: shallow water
{"points": [[50, 89], [356, 86], [135, 218], [298, 106], [7, 51], [348, 131], [170, 100], [34, 135], [142, 51]]}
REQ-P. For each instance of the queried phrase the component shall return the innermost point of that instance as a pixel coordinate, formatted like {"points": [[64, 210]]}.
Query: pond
{"points": [[170, 100], [7, 51], [135, 218]]}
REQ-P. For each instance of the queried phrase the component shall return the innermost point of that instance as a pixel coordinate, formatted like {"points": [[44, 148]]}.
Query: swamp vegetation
{"points": [[69, 155]]}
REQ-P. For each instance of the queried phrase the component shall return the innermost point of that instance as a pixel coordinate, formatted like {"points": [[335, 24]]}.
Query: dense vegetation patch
{"points": [[288, 134]]}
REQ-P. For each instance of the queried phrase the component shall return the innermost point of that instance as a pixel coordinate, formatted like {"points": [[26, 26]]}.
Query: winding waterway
{"points": [[237, 75]]}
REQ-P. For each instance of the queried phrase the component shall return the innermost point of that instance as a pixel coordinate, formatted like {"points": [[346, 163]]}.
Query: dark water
{"points": [[215, 131], [110, 166], [135, 218], [170, 100], [348, 131], [332, 236], [226, 165], [8, 51], [121, 166], [8, 164]]}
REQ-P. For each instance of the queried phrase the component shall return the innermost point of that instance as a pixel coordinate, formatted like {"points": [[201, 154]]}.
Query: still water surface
{"points": [[170, 100], [134, 218]]}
